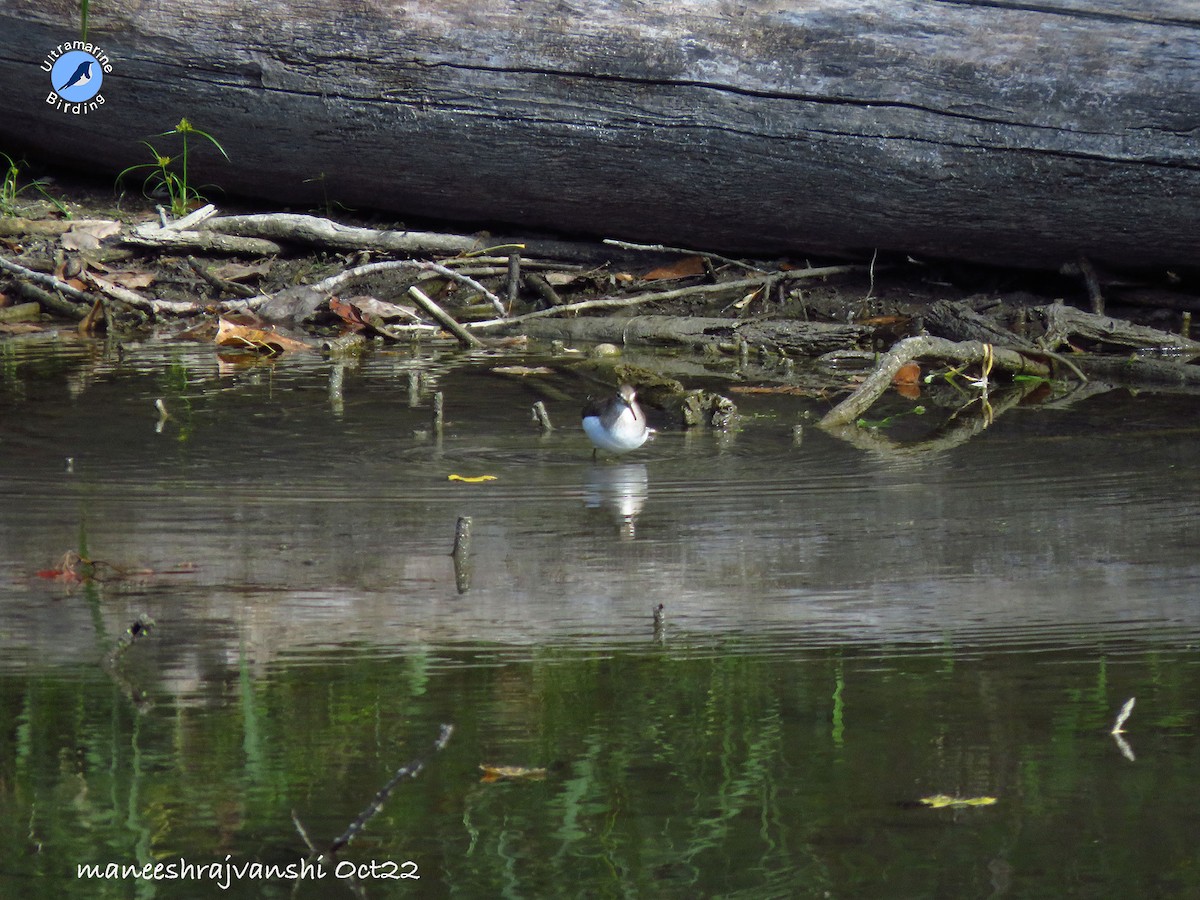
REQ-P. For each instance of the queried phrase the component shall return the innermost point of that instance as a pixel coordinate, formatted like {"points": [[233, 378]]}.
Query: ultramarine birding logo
{"points": [[77, 70]]}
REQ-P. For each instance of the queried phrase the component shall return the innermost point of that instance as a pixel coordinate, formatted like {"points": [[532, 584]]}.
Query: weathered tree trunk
{"points": [[996, 130]]}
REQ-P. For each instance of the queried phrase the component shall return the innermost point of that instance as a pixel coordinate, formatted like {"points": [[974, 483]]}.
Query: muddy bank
{"points": [[259, 284]]}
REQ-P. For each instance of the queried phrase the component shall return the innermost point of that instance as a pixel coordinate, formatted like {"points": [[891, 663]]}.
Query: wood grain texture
{"points": [[1024, 133]]}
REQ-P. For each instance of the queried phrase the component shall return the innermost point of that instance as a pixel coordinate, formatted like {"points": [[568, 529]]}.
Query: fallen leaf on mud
{"points": [[230, 334], [500, 773], [347, 312], [681, 268], [945, 801], [745, 301], [87, 236], [241, 271], [375, 308], [132, 280], [471, 479]]}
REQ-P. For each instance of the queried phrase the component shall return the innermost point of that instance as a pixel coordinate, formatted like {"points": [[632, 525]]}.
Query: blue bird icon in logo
{"points": [[81, 76]]}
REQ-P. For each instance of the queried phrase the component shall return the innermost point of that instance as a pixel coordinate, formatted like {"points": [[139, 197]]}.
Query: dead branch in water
{"points": [[923, 347]]}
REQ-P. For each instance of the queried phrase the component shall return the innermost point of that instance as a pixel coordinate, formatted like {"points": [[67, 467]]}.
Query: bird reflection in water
{"points": [[620, 489]]}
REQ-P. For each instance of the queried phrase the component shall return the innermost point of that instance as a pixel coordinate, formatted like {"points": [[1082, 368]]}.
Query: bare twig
{"points": [[136, 300], [48, 300], [335, 282], [221, 284], [46, 281], [696, 291], [464, 337], [1092, 280], [659, 248], [543, 289], [513, 283]]}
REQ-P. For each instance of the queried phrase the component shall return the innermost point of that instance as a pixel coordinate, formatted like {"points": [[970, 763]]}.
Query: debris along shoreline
{"points": [[261, 284]]}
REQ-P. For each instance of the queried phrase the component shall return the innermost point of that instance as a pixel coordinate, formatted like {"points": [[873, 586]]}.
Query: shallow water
{"points": [[842, 633]]}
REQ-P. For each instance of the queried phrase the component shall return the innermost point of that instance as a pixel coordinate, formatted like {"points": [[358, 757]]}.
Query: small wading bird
{"points": [[81, 76], [616, 423]]}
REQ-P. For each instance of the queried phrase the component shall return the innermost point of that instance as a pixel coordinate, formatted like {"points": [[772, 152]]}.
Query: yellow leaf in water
{"points": [[943, 801], [471, 479]]}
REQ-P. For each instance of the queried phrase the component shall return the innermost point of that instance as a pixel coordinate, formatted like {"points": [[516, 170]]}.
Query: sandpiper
{"points": [[616, 423]]}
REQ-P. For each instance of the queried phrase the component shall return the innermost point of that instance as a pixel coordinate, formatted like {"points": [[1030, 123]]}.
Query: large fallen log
{"points": [[994, 130]]}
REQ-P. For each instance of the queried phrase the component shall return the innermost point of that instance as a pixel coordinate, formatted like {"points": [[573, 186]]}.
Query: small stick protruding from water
{"points": [[1185, 328], [541, 416], [439, 402], [462, 536], [660, 623], [743, 350], [1122, 716], [462, 554], [163, 416]]}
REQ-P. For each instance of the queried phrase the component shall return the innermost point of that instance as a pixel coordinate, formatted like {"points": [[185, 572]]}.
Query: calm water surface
{"points": [[843, 633]]}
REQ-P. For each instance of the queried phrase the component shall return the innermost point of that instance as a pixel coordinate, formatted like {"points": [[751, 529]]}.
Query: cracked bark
{"points": [[1026, 133]]}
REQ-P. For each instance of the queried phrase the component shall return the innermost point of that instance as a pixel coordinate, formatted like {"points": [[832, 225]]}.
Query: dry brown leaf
{"points": [[347, 312], [94, 321], [230, 334], [88, 235], [383, 309], [132, 280], [235, 271], [681, 268]]}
